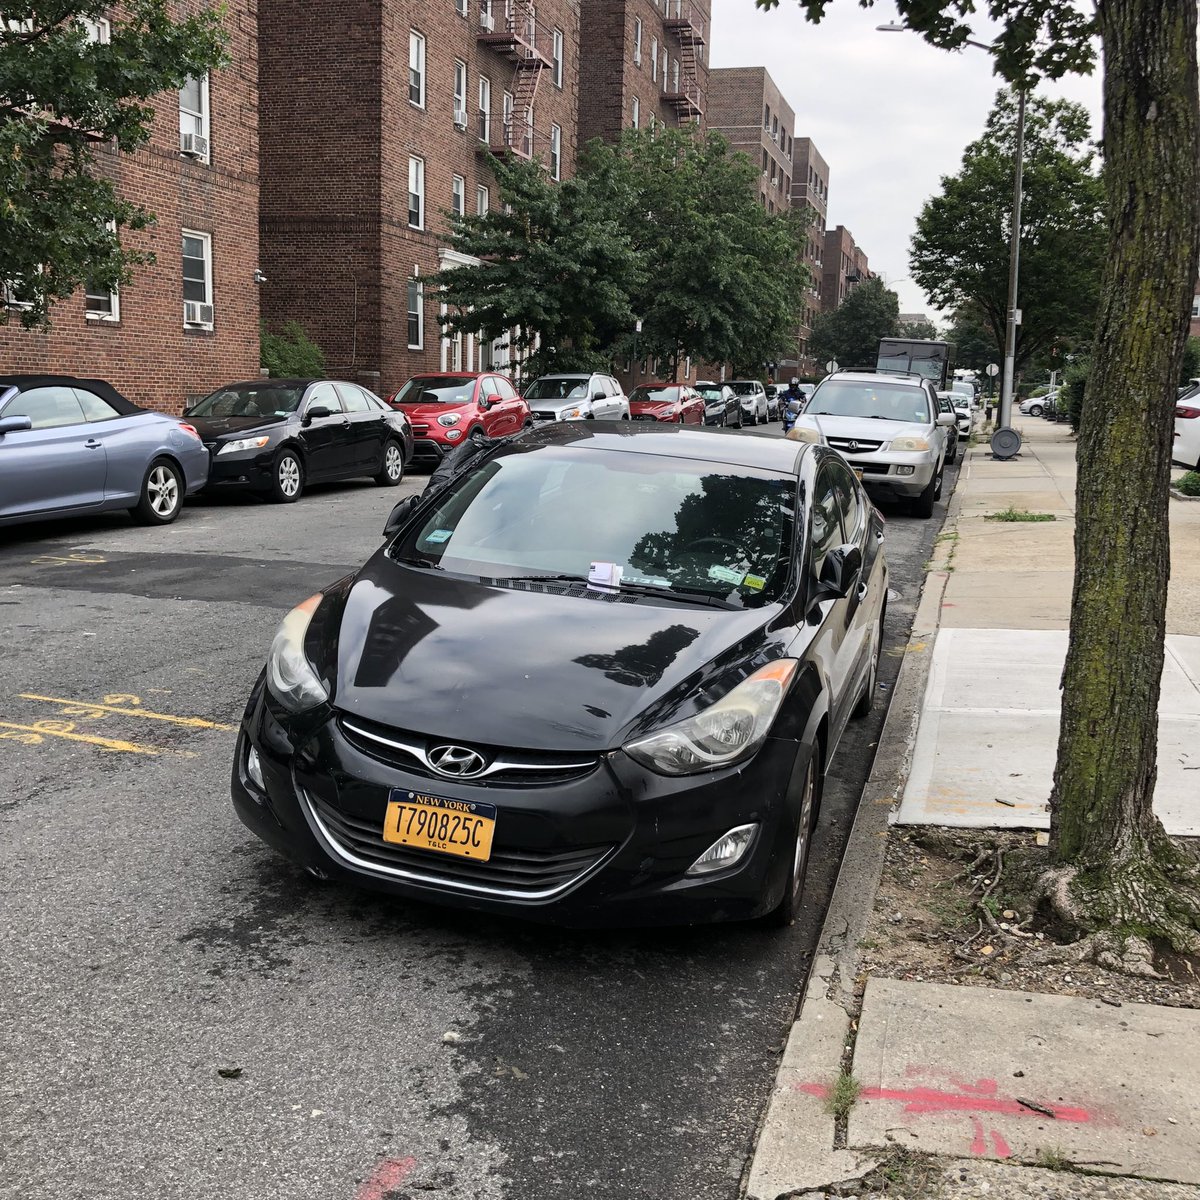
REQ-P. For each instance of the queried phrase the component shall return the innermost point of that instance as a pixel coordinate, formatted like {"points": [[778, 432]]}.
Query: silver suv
{"points": [[888, 427], [579, 397], [753, 398]]}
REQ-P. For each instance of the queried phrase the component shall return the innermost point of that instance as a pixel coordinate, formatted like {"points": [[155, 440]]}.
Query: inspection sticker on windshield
{"points": [[725, 575], [460, 827], [755, 582], [439, 535]]}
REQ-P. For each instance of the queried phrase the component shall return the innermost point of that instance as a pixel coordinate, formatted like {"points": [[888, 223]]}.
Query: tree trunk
{"points": [[1101, 817]]}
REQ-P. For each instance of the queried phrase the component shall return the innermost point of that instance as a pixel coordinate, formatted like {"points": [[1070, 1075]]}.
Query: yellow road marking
{"points": [[85, 708], [67, 560], [64, 729], [911, 648]]}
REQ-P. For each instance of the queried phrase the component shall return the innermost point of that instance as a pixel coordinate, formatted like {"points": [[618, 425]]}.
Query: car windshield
{"points": [[670, 524], [742, 388], [711, 393], [250, 400], [653, 395], [437, 389], [860, 398], [553, 388]]}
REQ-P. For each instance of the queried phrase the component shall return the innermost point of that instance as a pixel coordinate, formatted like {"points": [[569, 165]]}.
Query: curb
{"points": [[1176, 494], [795, 1150]]}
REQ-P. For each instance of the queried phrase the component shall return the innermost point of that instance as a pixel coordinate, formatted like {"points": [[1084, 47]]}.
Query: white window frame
{"points": [[419, 344], [98, 30], [416, 66], [636, 110], [637, 41], [675, 76], [198, 123], [507, 129], [460, 7], [485, 109], [483, 200], [206, 239], [416, 187], [556, 57], [556, 152], [458, 195], [1195, 308], [664, 68], [654, 60], [114, 300], [460, 89]]}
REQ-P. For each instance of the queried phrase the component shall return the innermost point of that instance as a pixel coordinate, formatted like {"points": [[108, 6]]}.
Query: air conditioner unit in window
{"points": [[195, 313], [460, 118], [192, 145], [487, 22]]}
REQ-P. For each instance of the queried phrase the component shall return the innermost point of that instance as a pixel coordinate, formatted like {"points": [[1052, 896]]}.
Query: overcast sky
{"points": [[890, 114]]}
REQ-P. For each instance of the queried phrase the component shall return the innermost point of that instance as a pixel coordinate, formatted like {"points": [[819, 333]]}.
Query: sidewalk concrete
{"points": [[979, 1073]]}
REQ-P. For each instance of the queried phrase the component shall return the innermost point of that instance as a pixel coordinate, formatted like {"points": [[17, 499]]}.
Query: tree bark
{"points": [[1102, 822]]}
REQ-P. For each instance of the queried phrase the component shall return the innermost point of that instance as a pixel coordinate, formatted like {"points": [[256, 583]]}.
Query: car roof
{"points": [[766, 451], [570, 375], [659, 383], [101, 387], [904, 378]]}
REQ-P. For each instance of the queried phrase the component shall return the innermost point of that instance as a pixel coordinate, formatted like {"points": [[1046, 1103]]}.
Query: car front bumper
{"points": [[609, 847], [881, 473], [232, 471]]}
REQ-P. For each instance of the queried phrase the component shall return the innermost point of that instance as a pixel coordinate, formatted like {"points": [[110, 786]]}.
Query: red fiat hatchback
{"points": [[675, 402], [446, 409]]}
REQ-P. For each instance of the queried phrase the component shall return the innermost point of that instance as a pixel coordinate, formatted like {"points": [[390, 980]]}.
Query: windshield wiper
{"points": [[418, 561], [699, 595]]}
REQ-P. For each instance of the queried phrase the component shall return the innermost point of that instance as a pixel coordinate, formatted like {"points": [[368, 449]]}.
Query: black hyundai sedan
{"points": [[276, 436], [597, 677]]}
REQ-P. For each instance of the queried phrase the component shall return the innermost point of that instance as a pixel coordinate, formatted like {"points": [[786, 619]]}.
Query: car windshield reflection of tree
{"points": [[667, 522]]}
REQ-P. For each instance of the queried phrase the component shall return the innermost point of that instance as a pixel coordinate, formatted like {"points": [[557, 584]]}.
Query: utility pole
{"points": [[1014, 259]]}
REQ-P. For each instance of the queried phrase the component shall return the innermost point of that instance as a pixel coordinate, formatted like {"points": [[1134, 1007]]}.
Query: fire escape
{"points": [[516, 40], [682, 90]]}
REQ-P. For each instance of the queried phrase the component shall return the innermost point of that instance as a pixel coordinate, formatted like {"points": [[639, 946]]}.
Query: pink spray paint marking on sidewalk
{"points": [[387, 1177]]}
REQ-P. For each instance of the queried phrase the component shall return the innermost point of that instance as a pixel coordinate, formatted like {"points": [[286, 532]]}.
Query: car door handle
{"points": [[92, 444]]}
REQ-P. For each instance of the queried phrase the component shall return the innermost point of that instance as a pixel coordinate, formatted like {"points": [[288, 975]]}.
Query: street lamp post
{"points": [[1014, 245]]}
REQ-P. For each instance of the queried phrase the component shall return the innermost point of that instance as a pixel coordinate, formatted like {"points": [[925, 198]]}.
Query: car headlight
{"points": [[448, 419], [801, 433], [290, 675], [453, 434], [910, 443], [254, 443], [729, 730], [570, 414]]}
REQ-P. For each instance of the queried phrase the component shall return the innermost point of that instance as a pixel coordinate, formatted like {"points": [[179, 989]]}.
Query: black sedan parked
{"points": [[274, 436], [515, 707], [721, 404]]}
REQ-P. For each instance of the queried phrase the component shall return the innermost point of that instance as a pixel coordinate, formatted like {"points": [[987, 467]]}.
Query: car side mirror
{"points": [[946, 418], [316, 413], [15, 424], [400, 513], [597, 395], [839, 572]]}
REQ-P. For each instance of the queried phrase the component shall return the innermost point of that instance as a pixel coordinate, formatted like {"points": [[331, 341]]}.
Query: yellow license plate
{"points": [[460, 827]]}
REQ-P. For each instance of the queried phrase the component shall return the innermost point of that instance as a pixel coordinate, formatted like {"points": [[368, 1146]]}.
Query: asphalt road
{"points": [[182, 1014]]}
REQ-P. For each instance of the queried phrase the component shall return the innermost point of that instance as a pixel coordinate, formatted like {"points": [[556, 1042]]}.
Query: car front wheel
{"points": [[287, 478], [391, 471], [161, 496], [788, 908], [1035, 410]]}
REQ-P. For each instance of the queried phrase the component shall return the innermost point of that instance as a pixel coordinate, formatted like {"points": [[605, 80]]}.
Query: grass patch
{"points": [[1053, 1159], [843, 1095], [1188, 484], [1019, 514]]}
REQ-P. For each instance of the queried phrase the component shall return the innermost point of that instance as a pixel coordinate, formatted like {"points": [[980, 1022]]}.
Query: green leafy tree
{"points": [[69, 108], [290, 354], [925, 330], [556, 269], [722, 278], [850, 333], [1190, 367], [975, 343], [960, 249], [1116, 876]]}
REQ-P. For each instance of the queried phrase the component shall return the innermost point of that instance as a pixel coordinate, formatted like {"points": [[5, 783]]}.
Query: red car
{"points": [[446, 409], [674, 402]]}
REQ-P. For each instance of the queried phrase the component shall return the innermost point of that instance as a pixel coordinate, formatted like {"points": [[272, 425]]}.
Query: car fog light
{"points": [[254, 769], [453, 435], [725, 851], [905, 470]]}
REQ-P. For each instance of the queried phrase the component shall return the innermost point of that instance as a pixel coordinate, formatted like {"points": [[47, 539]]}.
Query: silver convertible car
{"points": [[70, 447]]}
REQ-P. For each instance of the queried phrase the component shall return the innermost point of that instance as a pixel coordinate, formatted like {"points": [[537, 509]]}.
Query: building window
{"points": [[767, 117], [555, 152], [416, 193], [197, 279], [675, 75], [416, 69], [485, 109], [98, 29], [460, 7], [482, 201], [506, 111], [637, 41], [774, 129], [193, 118], [654, 60], [458, 195], [1195, 308], [416, 316], [765, 161], [636, 114], [98, 302], [556, 59], [460, 94], [664, 68]]}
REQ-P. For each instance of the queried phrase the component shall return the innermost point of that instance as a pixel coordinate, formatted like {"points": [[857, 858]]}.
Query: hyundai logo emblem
{"points": [[853, 447], [457, 761]]}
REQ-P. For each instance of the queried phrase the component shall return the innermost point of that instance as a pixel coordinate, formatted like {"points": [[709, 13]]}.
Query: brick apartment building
{"points": [[747, 108], [189, 322], [376, 115], [845, 264], [646, 64], [810, 195]]}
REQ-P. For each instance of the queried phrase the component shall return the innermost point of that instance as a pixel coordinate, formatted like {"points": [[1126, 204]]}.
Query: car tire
{"points": [[161, 496], [866, 701], [923, 505], [952, 453], [797, 849], [477, 437], [287, 477], [391, 470], [1035, 410]]}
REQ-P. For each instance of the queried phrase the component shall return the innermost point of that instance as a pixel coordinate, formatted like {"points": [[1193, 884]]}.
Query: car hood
{"points": [[865, 429], [212, 428], [641, 406], [429, 653], [557, 406], [429, 412]]}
